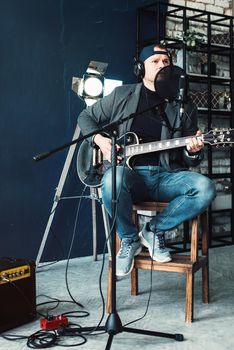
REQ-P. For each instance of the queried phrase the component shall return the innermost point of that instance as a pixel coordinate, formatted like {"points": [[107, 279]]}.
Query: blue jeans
{"points": [[188, 193]]}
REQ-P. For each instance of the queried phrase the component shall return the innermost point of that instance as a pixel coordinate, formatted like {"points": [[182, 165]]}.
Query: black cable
{"points": [[73, 313], [45, 339], [52, 231], [42, 339], [13, 337], [151, 281], [72, 330], [81, 313], [150, 292], [49, 309], [111, 233], [60, 245]]}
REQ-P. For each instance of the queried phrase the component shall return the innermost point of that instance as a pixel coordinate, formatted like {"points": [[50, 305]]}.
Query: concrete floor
{"points": [[211, 329]]}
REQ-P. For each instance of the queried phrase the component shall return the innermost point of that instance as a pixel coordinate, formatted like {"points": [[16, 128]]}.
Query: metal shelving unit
{"points": [[152, 21]]}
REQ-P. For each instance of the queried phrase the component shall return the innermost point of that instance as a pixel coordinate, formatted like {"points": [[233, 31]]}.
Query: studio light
{"points": [[91, 86]]}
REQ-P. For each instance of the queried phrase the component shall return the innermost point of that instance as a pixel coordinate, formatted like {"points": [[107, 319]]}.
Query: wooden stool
{"points": [[188, 263]]}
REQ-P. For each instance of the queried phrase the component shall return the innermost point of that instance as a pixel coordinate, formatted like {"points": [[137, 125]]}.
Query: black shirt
{"points": [[148, 125]]}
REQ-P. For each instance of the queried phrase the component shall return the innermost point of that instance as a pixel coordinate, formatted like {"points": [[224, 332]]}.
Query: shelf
{"points": [[205, 89], [207, 77], [221, 211], [220, 176], [215, 111], [221, 240], [214, 49]]}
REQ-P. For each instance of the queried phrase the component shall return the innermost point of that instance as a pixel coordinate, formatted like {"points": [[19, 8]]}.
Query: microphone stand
{"points": [[113, 324], [105, 128]]}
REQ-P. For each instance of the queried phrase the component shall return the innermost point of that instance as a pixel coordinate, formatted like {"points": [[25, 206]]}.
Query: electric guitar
{"points": [[91, 166]]}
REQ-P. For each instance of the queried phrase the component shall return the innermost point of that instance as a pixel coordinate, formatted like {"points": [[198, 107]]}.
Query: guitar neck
{"points": [[157, 146]]}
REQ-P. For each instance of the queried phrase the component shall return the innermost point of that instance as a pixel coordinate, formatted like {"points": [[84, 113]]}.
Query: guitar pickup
{"points": [[97, 156]]}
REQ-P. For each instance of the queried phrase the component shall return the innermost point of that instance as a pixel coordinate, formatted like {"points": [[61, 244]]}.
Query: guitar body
{"points": [[90, 164]]}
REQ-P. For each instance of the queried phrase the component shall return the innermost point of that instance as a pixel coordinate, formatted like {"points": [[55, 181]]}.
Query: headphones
{"points": [[138, 64], [138, 68]]}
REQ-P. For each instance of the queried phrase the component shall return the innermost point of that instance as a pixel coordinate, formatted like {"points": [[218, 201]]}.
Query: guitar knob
{"points": [[129, 139]]}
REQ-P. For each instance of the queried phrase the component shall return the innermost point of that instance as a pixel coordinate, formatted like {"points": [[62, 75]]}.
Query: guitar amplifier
{"points": [[17, 292]]}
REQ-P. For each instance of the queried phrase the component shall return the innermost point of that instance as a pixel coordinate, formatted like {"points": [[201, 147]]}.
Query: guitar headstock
{"points": [[219, 137]]}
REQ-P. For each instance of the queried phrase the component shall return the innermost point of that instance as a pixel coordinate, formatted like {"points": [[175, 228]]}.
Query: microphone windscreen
{"points": [[168, 82]]}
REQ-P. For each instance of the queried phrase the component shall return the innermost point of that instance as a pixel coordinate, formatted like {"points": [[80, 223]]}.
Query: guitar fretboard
{"points": [[157, 146]]}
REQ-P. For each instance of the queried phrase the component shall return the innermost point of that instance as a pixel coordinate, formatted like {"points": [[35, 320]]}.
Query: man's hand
{"points": [[105, 145], [195, 144]]}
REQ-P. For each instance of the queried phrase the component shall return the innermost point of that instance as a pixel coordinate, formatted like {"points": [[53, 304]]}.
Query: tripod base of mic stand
{"points": [[114, 326]]}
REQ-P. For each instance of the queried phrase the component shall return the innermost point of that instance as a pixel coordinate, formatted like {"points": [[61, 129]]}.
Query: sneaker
{"points": [[155, 242], [125, 256]]}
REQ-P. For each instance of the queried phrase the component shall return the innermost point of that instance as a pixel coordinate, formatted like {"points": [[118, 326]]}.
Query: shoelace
{"points": [[161, 242], [124, 249]]}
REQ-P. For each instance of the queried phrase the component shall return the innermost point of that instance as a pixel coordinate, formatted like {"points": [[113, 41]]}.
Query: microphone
{"points": [[170, 83]]}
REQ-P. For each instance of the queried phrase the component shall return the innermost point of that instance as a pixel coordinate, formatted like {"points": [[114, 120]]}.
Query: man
{"points": [[158, 176]]}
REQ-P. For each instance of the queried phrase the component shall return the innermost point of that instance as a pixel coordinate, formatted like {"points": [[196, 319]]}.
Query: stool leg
{"points": [[134, 281], [194, 240], [108, 298], [205, 283], [205, 252], [186, 234], [189, 296]]}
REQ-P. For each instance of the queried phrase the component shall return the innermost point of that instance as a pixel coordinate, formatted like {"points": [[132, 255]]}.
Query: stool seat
{"points": [[183, 262]]}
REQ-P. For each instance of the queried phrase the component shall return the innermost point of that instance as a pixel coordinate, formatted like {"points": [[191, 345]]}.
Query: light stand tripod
{"points": [[57, 194], [57, 197]]}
